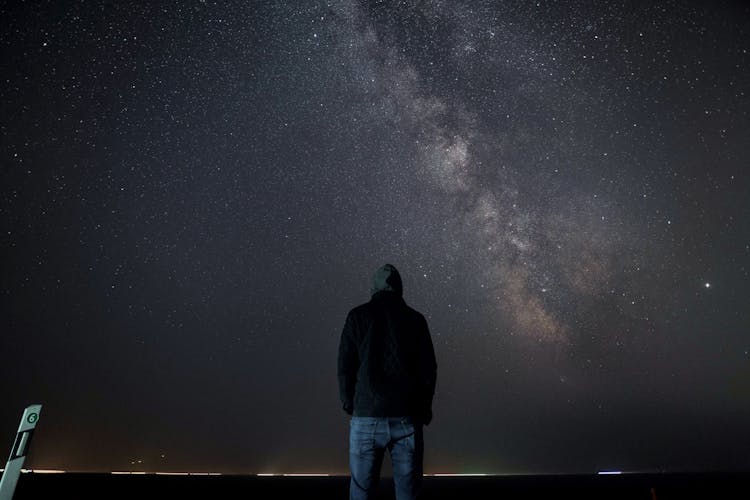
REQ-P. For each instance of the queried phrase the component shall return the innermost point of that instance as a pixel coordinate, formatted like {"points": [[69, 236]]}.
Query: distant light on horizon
{"points": [[117, 472], [449, 474], [603, 472]]}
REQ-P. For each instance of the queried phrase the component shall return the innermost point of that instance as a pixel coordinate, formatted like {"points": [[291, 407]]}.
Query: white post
{"points": [[18, 452]]}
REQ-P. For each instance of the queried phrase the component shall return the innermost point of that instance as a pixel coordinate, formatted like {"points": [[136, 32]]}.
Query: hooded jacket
{"points": [[386, 364]]}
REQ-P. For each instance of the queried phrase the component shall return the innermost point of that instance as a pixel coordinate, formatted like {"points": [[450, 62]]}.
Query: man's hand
{"points": [[427, 416], [348, 408]]}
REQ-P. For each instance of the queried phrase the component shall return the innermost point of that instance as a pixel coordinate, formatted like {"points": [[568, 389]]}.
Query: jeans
{"points": [[369, 437]]}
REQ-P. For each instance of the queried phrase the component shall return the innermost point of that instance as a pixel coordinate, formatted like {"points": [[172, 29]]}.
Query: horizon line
{"points": [[347, 474]]}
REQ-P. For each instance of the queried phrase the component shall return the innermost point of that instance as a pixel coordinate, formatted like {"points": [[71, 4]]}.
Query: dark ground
{"points": [[721, 486]]}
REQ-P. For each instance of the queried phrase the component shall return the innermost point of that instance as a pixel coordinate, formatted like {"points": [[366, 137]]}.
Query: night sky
{"points": [[194, 194]]}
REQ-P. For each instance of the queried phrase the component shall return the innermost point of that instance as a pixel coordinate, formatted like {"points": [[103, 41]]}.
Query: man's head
{"points": [[387, 278]]}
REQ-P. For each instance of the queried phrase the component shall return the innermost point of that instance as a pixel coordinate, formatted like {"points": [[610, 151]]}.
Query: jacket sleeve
{"points": [[348, 364], [428, 367]]}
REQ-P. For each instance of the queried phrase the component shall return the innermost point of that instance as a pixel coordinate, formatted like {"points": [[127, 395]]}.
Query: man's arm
{"points": [[348, 365], [428, 366]]}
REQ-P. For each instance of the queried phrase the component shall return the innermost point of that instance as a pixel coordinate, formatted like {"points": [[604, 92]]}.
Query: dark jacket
{"points": [[386, 365]]}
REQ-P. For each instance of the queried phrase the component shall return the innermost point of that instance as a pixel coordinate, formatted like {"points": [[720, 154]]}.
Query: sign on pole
{"points": [[18, 452]]}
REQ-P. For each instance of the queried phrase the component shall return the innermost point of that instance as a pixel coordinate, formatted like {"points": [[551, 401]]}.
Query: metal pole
{"points": [[18, 452]]}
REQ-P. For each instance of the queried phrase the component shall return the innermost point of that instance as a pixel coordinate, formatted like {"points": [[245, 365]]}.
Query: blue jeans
{"points": [[369, 437]]}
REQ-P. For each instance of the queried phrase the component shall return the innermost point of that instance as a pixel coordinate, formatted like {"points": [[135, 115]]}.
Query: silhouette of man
{"points": [[387, 373]]}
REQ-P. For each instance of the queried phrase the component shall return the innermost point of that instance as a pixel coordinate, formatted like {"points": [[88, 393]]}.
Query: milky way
{"points": [[194, 194]]}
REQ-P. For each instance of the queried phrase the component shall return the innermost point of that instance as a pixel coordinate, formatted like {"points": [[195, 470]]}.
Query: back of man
{"points": [[387, 374]]}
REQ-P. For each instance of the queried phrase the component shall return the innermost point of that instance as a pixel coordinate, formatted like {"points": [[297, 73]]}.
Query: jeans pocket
{"points": [[409, 432], [362, 436]]}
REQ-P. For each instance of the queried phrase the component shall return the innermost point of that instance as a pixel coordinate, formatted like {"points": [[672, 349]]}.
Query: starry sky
{"points": [[193, 194]]}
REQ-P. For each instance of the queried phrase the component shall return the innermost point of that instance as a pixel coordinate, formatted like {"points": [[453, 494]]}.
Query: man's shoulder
{"points": [[418, 316], [414, 313], [369, 308], [360, 309]]}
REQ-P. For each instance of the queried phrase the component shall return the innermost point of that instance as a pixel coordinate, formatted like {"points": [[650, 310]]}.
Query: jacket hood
{"points": [[387, 278]]}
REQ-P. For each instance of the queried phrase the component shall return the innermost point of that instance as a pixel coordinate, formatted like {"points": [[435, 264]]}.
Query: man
{"points": [[387, 373]]}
